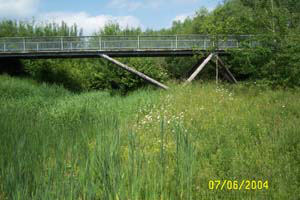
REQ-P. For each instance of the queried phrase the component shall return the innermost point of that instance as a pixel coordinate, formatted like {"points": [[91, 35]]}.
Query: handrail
{"points": [[96, 36], [115, 42]]}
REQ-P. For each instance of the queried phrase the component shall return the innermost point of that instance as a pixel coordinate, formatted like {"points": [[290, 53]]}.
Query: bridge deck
{"points": [[95, 54], [115, 46]]}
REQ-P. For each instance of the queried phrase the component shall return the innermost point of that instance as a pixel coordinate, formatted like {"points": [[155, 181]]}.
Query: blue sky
{"points": [[91, 15]]}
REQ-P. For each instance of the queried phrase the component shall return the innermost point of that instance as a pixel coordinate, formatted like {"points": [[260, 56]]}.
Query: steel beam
{"points": [[95, 54]]}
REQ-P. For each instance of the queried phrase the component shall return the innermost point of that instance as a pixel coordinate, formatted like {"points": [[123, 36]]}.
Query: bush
{"points": [[64, 73], [95, 74], [275, 61], [109, 76]]}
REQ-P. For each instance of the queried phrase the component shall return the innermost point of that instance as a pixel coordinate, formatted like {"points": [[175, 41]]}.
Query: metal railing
{"points": [[117, 43]]}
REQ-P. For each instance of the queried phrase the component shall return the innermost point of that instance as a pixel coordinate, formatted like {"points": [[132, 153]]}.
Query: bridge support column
{"points": [[226, 72], [217, 72], [131, 70]]}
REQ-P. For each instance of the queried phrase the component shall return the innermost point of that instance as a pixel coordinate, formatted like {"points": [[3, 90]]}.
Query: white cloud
{"points": [[27, 8], [132, 5], [183, 17], [89, 23], [180, 18], [18, 8], [125, 4]]}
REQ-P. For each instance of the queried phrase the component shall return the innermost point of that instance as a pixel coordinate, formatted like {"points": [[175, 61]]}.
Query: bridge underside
{"points": [[111, 53], [108, 47], [108, 55]]}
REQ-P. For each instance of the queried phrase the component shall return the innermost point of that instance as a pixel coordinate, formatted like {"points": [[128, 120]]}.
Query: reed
{"points": [[149, 145]]}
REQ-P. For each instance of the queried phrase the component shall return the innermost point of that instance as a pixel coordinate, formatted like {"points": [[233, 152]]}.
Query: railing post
{"points": [[176, 42], [217, 71], [24, 45], [4, 46], [100, 43], [62, 43], [138, 42], [37, 46]]}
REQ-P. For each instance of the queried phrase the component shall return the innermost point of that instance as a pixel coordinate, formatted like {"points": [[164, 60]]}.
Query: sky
{"points": [[92, 15]]}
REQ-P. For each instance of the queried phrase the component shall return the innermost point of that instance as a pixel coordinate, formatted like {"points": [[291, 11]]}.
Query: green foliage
{"points": [[274, 16], [278, 60], [11, 28], [81, 74], [115, 29], [109, 76], [286, 65], [182, 68], [55, 144], [272, 57], [68, 73]]}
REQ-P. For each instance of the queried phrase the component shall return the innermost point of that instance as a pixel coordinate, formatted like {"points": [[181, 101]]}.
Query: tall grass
{"points": [[149, 145]]}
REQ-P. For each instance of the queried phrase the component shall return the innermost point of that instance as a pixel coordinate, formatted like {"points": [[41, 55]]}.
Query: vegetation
{"points": [[275, 25], [62, 138], [149, 145]]}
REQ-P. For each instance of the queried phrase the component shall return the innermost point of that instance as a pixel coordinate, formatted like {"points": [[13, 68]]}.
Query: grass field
{"points": [[151, 144]]}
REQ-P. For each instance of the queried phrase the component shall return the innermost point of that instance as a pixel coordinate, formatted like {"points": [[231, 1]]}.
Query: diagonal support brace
{"points": [[199, 69], [227, 71], [224, 74], [131, 70], [227, 74]]}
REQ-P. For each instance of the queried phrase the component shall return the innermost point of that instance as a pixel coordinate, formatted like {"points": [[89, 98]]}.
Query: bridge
{"points": [[116, 46], [108, 47]]}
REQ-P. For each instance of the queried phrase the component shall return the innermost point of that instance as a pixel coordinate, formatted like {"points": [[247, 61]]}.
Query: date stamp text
{"points": [[238, 185]]}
